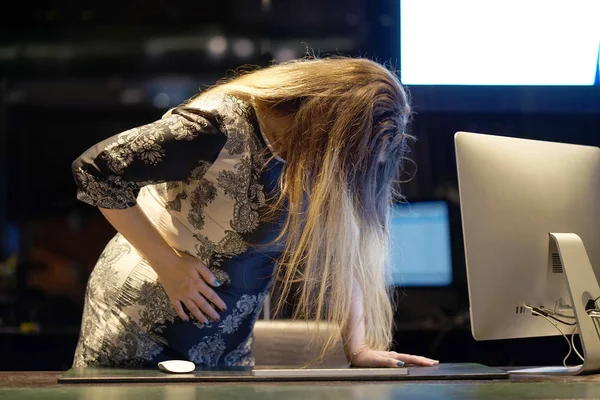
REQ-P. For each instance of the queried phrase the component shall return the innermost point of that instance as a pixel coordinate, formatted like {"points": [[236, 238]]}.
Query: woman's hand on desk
{"points": [[374, 358]]}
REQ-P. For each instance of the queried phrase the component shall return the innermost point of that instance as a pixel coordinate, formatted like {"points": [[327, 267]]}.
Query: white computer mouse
{"points": [[177, 366]]}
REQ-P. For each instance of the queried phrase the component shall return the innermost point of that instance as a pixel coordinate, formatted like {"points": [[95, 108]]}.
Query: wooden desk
{"points": [[42, 385]]}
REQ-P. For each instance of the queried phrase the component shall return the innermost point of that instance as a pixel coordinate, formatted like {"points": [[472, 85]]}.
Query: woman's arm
{"points": [[110, 174], [354, 333], [358, 353]]}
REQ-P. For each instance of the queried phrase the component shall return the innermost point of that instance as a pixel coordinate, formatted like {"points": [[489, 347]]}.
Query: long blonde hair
{"points": [[344, 140]]}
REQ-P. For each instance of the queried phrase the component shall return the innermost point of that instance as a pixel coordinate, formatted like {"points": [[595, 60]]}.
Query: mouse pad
{"points": [[464, 371]]}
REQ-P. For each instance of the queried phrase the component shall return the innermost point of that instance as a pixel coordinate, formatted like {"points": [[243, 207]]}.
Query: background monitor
{"points": [[420, 245], [513, 193]]}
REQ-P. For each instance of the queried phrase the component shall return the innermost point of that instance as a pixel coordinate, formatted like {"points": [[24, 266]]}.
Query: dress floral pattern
{"points": [[197, 174]]}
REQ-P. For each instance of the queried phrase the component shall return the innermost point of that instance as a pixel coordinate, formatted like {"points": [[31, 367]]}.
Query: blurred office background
{"points": [[72, 74]]}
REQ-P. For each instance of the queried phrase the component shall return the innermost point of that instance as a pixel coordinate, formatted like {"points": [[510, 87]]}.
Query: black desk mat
{"points": [[444, 371]]}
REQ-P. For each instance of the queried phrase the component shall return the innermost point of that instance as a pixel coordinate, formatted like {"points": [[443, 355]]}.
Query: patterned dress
{"points": [[202, 175]]}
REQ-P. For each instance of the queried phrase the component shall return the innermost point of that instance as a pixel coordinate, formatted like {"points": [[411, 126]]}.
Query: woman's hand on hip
{"points": [[186, 279], [188, 282], [373, 359]]}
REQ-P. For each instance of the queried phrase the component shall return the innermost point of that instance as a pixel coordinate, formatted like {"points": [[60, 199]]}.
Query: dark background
{"points": [[71, 75]]}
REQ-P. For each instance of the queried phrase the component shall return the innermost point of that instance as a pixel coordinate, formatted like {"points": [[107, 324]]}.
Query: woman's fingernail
{"points": [[217, 283], [205, 323], [400, 363]]}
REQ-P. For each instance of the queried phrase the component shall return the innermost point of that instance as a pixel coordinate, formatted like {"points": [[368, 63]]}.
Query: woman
{"points": [[284, 171]]}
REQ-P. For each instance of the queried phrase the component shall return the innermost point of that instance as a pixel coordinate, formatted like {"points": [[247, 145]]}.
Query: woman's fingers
{"points": [[195, 311], [205, 306], [207, 278], [392, 362], [390, 359], [206, 274], [210, 295], [415, 360], [188, 286], [179, 309]]}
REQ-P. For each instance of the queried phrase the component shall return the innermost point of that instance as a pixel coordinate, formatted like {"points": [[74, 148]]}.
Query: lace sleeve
{"points": [[110, 173]]}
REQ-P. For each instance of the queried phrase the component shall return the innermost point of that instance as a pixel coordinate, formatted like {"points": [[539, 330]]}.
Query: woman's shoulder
{"points": [[223, 104], [235, 117]]}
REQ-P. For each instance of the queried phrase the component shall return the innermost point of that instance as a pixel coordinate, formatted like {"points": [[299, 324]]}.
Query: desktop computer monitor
{"points": [[420, 245], [514, 193]]}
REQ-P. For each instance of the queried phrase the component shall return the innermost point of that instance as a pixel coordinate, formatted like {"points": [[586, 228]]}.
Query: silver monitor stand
{"points": [[583, 287]]}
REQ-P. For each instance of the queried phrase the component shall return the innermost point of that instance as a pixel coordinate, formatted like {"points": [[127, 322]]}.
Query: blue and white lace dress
{"points": [[198, 175]]}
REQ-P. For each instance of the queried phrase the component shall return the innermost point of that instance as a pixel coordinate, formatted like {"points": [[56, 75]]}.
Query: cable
{"points": [[548, 315], [561, 332], [556, 313], [593, 312], [575, 347], [543, 313], [561, 321]]}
